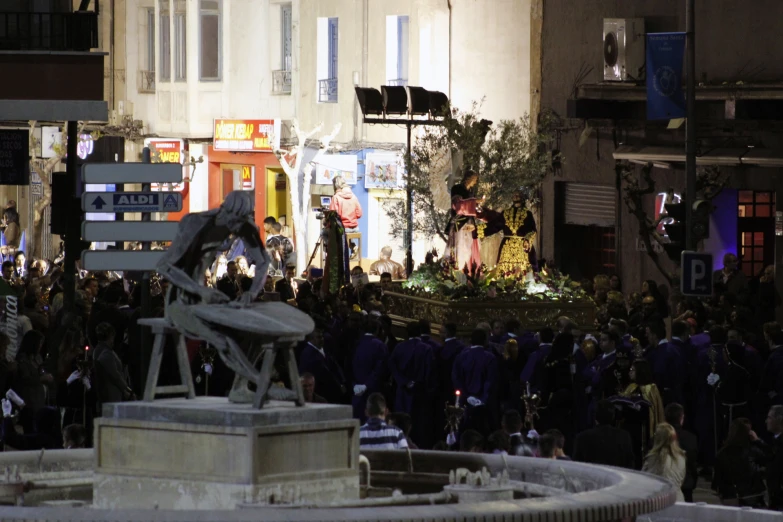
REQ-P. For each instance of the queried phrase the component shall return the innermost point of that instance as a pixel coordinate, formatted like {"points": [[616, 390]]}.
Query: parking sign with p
{"points": [[696, 280]]}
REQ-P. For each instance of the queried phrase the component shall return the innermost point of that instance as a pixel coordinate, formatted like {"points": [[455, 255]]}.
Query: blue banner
{"points": [[665, 94]]}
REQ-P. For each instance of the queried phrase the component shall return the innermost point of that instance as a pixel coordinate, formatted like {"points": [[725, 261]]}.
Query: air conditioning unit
{"points": [[624, 56]]}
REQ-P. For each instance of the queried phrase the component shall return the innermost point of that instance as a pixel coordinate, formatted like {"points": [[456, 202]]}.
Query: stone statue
{"points": [[208, 314]]}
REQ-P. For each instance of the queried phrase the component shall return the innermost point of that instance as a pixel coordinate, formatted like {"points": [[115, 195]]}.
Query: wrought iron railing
{"points": [[146, 81], [327, 90], [49, 31], [281, 82], [399, 82]]}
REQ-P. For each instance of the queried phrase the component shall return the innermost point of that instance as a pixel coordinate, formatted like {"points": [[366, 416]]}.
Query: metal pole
{"points": [[72, 228], [146, 303], [690, 129], [409, 202]]}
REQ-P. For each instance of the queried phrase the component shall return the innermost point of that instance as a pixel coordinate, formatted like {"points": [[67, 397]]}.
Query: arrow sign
{"points": [[119, 202], [121, 260], [129, 230], [109, 173]]}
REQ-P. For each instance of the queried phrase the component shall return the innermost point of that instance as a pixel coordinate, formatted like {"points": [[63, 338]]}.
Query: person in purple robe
{"points": [[369, 368], [532, 372], [706, 400], [680, 344], [412, 367], [665, 362], [328, 374], [475, 375], [452, 347], [599, 374]]}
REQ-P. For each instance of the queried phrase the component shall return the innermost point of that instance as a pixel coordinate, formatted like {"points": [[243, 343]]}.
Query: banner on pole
{"points": [[665, 94]]}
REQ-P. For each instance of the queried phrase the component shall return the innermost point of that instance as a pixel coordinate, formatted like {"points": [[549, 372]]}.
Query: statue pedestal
{"points": [[207, 453]]}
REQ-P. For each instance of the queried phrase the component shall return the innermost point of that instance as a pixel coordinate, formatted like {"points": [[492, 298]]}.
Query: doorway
{"points": [[755, 230], [236, 177]]}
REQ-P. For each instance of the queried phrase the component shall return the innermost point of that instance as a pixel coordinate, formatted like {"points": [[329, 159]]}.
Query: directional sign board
{"points": [[121, 260], [132, 173], [118, 202], [696, 280], [129, 230]]}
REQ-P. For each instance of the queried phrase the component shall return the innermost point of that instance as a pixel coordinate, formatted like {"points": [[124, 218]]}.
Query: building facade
{"points": [[586, 227]]}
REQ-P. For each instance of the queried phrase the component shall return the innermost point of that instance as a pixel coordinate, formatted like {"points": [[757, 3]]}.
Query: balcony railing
{"points": [[399, 82], [327, 90], [146, 81], [281, 82], [49, 31]]}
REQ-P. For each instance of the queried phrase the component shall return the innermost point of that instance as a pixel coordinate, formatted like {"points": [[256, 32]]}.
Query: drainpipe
{"points": [[448, 2]]}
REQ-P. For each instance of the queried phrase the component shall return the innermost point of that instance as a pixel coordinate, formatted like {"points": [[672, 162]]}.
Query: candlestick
{"points": [[456, 400], [528, 388]]}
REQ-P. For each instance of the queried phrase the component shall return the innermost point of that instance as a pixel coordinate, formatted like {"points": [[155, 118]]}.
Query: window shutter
{"points": [[587, 204]]}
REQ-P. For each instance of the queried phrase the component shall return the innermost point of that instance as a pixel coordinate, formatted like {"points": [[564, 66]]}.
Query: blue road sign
{"points": [[696, 280], [118, 202]]}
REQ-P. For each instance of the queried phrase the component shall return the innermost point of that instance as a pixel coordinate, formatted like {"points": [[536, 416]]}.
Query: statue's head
{"points": [[236, 209], [386, 252]]}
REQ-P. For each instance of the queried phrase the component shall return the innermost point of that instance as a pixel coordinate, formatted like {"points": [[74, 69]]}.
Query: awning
{"points": [[665, 156]]}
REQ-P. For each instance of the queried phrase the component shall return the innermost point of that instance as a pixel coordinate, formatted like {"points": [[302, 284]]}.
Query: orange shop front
{"points": [[241, 158]]}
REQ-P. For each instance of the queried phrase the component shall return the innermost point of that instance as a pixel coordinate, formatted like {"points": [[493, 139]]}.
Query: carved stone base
{"points": [[207, 453]]}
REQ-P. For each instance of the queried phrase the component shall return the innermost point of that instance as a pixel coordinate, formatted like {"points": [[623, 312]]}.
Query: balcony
{"points": [[281, 82], [146, 82], [399, 82], [76, 31], [327, 90]]}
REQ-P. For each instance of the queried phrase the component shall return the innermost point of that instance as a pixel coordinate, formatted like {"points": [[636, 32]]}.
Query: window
{"points": [[397, 50], [327, 59], [210, 56], [281, 78], [756, 230], [180, 41], [165, 42], [285, 36], [147, 63]]}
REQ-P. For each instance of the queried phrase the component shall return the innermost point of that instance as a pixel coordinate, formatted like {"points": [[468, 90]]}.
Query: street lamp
{"points": [[411, 106]]}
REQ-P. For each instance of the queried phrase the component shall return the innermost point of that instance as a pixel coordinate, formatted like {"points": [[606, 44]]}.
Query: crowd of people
{"points": [[677, 387]]}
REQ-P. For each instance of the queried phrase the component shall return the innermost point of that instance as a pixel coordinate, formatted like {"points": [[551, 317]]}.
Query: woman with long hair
{"points": [[738, 477], [641, 393], [666, 459]]}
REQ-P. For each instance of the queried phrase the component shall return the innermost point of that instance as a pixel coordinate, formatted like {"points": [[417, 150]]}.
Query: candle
{"points": [[528, 389], [456, 399]]}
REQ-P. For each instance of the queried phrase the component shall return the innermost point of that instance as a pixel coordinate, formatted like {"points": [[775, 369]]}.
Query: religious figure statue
{"points": [[517, 252], [462, 247], [387, 265], [208, 314]]}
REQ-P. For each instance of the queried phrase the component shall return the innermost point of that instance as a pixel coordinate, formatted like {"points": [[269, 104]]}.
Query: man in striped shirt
{"points": [[376, 434]]}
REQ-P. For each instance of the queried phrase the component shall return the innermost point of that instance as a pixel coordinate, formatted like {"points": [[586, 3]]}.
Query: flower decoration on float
{"points": [[442, 281]]}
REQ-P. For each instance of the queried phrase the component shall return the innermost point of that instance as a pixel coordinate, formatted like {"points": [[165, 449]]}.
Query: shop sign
{"points": [[166, 151], [246, 135], [247, 177]]}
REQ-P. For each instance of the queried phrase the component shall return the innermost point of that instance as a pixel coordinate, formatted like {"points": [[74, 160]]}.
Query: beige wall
{"points": [[188, 108], [490, 57]]}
